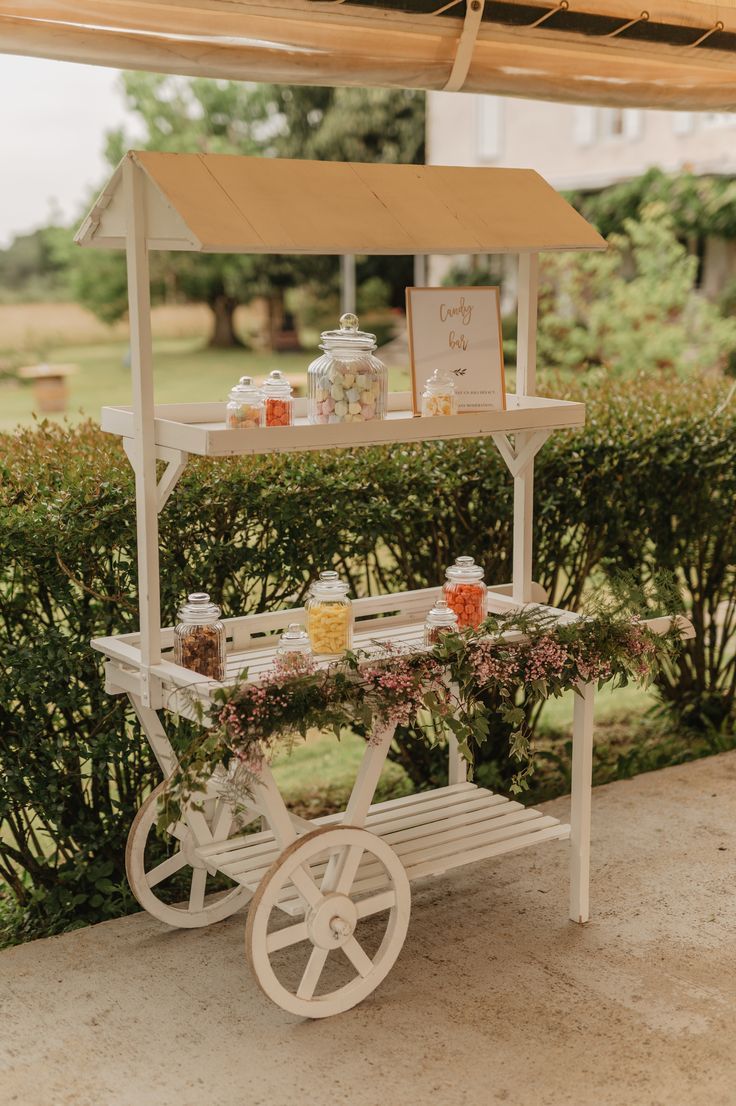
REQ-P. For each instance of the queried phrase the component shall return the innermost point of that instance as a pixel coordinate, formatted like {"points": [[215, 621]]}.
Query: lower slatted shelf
{"points": [[431, 832]]}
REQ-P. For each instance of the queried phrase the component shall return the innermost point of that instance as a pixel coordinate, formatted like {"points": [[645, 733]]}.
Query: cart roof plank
{"points": [[226, 203]]}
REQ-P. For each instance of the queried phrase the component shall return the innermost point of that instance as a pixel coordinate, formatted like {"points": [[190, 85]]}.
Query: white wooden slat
{"points": [[435, 841], [537, 835], [243, 857]]}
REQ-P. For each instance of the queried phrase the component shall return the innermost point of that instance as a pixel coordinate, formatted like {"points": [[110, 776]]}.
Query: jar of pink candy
{"points": [[347, 383]]}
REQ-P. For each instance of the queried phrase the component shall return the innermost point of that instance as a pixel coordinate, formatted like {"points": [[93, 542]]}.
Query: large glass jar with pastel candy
{"points": [[347, 383]]}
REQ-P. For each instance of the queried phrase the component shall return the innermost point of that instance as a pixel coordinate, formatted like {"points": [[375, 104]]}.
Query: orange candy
{"points": [[278, 412], [468, 603]]}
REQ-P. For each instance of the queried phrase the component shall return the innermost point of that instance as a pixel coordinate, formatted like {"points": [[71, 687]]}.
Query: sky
{"points": [[53, 119]]}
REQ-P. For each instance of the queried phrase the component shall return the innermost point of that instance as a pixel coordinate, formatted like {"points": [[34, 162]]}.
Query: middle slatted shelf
{"points": [[431, 832]]}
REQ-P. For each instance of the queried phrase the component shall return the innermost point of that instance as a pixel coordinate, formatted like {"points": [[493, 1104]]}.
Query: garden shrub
{"points": [[648, 482]]}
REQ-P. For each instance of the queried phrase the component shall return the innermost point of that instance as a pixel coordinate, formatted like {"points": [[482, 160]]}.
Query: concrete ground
{"points": [[496, 998]]}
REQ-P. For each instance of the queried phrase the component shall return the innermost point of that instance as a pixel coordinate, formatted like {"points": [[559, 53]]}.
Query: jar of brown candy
{"points": [[465, 591], [440, 620], [199, 637]]}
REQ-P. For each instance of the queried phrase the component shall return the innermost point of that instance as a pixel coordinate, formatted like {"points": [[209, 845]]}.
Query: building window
{"points": [[490, 126], [593, 125]]}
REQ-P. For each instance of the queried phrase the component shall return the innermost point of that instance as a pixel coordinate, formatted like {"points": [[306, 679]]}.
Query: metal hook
{"points": [[712, 31], [563, 6], [631, 23]]}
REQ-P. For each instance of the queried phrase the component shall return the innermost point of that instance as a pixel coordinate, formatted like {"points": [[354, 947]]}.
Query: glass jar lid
{"points": [[440, 382], [329, 586], [277, 385], [348, 337], [442, 614], [464, 569], [246, 391], [198, 610], [294, 639]]}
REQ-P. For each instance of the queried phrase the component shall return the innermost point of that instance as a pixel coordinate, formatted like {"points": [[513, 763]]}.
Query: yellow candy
{"points": [[328, 626]]}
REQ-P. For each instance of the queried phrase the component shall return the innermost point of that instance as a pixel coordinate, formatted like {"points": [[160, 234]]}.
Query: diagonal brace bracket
{"points": [[520, 455], [176, 462]]}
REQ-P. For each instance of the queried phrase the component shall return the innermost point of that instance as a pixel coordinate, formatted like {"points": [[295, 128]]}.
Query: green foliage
{"points": [[34, 267], [649, 481], [632, 309], [699, 205]]}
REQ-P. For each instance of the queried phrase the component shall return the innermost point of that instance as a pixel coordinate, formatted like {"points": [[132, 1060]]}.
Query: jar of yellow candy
{"points": [[438, 397], [329, 616]]}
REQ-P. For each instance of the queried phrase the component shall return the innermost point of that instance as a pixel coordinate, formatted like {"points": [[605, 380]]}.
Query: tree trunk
{"points": [[223, 334]]}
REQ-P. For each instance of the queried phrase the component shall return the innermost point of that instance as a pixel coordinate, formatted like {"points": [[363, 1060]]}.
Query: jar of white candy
{"points": [[347, 383]]}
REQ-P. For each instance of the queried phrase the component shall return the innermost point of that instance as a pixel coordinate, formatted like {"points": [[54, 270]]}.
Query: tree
{"points": [[633, 308], [213, 116]]}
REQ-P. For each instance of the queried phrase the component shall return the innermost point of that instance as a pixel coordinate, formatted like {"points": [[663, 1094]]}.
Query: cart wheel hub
{"points": [[333, 922]]}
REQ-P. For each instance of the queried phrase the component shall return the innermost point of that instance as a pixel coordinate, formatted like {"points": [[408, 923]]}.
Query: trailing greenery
{"points": [[462, 685], [649, 481]]}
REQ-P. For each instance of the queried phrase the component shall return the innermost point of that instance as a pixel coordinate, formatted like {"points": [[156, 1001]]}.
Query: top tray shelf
{"points": [[200, 427]]}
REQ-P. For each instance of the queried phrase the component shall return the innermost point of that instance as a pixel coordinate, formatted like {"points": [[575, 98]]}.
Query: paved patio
{"points": [[496, 998]]}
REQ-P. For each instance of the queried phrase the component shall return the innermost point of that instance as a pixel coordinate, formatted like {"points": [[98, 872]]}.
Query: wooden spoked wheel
{"points": [[158, 871], [342, 914]]}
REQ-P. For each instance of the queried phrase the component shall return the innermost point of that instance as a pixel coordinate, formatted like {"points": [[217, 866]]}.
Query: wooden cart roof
{"points": [[665, 54], [222, 203]]}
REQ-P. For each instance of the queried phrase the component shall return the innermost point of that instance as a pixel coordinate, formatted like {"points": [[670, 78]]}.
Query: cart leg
{"points": [[582, 770], [156, 734], [457, 768]]}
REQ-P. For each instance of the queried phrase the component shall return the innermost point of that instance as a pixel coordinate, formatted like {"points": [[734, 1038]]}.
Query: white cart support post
{"points": [[144, 464], [324, 878]]}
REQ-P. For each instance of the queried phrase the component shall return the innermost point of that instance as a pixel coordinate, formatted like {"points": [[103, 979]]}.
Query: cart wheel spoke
{"points": [[196, 892], [306, 886], [166, 868], [312, 972], [376, 903], [358, 957], [284, 938], [340, 876]]}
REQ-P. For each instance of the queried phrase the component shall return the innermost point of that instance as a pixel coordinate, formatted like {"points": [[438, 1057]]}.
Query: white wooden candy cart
{"points": [[340, 882]]}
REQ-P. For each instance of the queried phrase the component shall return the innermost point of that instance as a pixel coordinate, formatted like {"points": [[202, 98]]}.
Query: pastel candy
{"points": [[329, 406], [368, 411], [354, 408], [353, 395], [366, 396], [333, 418], [337, 391], [348, 379], [341, 408]]}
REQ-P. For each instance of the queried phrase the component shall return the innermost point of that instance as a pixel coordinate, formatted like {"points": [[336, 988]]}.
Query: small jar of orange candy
{"points": [[279, 404], [465, 592]]}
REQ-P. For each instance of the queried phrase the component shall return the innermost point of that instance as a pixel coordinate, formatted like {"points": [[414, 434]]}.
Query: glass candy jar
{"points": [[245, 408], [465, 591], [440, 620], [279, 404], [294, 641], [438, 397], [347, 383], [329, 616], [199, 637]]}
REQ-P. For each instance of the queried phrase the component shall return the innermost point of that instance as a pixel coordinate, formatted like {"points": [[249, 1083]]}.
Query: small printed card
{"points": [[459, 330]]}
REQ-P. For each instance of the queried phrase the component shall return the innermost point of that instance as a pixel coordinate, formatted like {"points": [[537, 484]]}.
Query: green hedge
{"points": [[650, 481]]}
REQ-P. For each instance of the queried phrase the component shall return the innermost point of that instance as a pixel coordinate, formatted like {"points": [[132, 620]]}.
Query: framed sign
{"points": [[458, 330]]}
